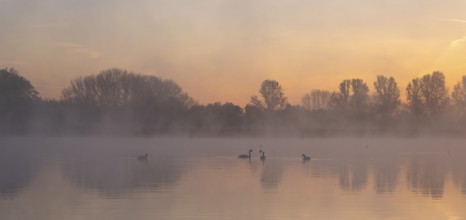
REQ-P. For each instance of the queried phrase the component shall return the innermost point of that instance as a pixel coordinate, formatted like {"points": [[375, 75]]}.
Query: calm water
{"points": [[100, 178]]}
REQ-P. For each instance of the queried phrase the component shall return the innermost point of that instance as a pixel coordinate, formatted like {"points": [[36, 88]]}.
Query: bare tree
{"points": [[119, 97], [273, 97], [316, 100], [387, 96], [340, 100], [116, 87], [352, 97], [435, 93], [256, 102], [459, 98], [108, 88], [414, 96], [360, 98], [428, 95]]}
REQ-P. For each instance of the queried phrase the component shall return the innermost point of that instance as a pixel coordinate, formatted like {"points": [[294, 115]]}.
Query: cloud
{"points": [[452, 58], [450, 19], [458, 43]]}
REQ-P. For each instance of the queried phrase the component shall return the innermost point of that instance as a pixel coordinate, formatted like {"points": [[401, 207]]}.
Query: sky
{"points": [[221, 50]]}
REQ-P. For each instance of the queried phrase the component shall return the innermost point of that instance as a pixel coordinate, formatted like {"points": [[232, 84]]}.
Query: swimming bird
{"points": [[263, 155], [305, 158], [246, 156], [143, 157]]}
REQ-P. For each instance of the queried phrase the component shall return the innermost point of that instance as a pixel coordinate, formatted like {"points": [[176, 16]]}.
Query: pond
{"points": [[203, 178]]}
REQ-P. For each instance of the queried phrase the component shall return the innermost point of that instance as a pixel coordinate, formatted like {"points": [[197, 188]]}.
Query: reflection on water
{"points": [[95, 178], [426, 175], [386, 174], [115, 176], [271, 174], [17, 168]]}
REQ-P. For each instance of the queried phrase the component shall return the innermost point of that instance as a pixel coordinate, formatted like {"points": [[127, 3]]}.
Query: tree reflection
{"points": [[116, 176], [271, 174], [353, 177], [458, 170], [426, 175], [18, 166], [386, 174]]}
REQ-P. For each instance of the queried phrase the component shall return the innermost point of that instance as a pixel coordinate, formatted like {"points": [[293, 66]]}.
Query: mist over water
{"points": [[203, 178], [232, 109], [117, 102]]}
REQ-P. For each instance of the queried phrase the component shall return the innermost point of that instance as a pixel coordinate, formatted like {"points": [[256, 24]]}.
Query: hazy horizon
{"points": [[212, 48]]}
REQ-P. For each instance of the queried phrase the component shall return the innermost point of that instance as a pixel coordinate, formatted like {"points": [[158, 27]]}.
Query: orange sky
{"points": [[221, 50]]}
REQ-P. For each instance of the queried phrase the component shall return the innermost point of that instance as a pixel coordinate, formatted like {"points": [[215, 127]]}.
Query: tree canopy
{"points": [[117, 87], [272, 95], [116, 101], [15, 88]]}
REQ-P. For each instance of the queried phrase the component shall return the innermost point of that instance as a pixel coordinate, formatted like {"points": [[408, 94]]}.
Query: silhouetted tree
{"points": [[387, 96], [216, 118], [116, 87], [272, 94], [15, 88], [256, 102], [414, 96], [428, 95], [459, 98], [340, 100], [352, 98], [17, 95], [254, 119], [360, 98], [435, 93], [114, 93], [316, 100]]}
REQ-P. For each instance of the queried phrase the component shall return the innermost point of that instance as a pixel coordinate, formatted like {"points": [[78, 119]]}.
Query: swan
{"points": [[246, 156], [141, 157], [263, 155], [305, 158]]}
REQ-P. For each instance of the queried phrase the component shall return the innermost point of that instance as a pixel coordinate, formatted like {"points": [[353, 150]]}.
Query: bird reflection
{"points": [[262, 158]]}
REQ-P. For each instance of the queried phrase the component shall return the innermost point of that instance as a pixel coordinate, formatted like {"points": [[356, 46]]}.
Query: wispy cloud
{"points": [[458, 42], [78, 48], [451, 19], [452, 57]]}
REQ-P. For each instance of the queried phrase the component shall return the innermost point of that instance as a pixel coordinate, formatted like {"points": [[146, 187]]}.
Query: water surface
{"points": [[195, 178]]}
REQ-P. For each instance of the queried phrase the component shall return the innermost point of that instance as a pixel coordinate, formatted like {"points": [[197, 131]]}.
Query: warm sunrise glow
{"points": [[222, 50]]}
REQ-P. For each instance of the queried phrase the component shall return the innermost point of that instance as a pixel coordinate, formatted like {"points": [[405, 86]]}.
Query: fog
{"points": [[118, 102], [109, 165], [192, 177]]}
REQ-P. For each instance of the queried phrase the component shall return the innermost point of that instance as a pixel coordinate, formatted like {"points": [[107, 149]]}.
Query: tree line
{"points": [[120, 102]]}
